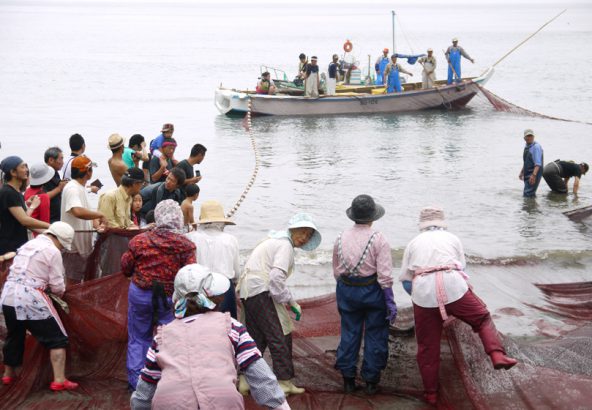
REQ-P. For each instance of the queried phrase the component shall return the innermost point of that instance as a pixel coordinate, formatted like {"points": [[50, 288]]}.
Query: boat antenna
{"points": [[526, 39], [393, 15]]}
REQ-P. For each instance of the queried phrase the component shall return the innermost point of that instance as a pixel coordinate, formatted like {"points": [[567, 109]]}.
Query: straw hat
{"points": [[212, 211], [40, 174], [431, 216], [64, 232]]}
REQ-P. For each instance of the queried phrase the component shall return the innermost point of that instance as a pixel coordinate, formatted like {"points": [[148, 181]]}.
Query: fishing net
{"points": [[499, 104], [97, 329]]}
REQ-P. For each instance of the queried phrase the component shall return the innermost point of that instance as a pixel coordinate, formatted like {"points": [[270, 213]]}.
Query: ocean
{"points": [[97, 68]]}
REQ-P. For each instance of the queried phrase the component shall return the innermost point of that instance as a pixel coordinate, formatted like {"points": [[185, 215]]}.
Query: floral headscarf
{"points": [[168, 215]]}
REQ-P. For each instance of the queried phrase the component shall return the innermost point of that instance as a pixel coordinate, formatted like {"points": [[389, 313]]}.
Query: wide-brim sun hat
{"points": [[432, 216], [196, 278], [364, 209], [40, 174], [64, 232], [211, 212], [305, 220]]}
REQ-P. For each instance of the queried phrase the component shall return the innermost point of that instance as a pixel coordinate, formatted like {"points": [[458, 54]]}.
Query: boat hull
{"points": [[448, 96]]}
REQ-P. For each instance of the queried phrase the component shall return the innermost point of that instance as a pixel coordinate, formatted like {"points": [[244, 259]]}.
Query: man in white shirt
{"points": [[76, 208], [217, 250], [434, 262]]}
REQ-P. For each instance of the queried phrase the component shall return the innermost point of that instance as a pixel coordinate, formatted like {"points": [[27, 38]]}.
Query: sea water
{"points": [[97, 68]]}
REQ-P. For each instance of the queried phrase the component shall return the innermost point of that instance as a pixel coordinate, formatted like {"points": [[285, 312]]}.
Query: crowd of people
{"points": [[387, 71], [186, 284]]}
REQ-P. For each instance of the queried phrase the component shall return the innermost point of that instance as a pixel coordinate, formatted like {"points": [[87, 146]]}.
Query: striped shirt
{"points": [[245, 351]]}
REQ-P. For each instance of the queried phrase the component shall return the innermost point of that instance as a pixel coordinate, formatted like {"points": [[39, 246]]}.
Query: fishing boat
{"points": [[365, 100]]}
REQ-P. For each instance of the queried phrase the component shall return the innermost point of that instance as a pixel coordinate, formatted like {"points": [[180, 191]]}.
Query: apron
{"points": [[282, 312], [441, 295], [381, 67], [454, 60], [29, 292], [393, 80]]}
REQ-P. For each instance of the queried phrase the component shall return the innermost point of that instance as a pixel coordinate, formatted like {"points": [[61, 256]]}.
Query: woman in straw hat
{"points": [[193, 360], [217, 250], [432, 272], [264, 295], [362, 265], [37, 266]]}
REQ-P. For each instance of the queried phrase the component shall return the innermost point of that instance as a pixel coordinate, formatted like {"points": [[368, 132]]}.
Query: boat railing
{"points": [[275, 71]]}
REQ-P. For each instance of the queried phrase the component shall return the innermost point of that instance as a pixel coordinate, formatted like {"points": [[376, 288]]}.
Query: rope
{"points": [[248, 126], [527, 38]]}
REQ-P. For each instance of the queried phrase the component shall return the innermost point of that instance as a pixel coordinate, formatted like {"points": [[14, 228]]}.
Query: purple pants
{"points": [[139, 329]]}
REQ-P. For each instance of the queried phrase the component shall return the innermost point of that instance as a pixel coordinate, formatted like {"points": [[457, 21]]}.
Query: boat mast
{"points": [[393, 13]]}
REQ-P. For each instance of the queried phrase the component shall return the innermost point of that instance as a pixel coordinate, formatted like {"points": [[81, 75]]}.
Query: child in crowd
{"points": [[136, 208], [192, 193]]}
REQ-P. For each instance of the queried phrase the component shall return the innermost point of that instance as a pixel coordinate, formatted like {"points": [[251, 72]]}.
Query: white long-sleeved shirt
{"points": [[216, 249], [431, 249]]}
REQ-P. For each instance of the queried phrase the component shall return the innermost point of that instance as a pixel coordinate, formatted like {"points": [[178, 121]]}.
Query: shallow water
{"points": [[98, 68]]}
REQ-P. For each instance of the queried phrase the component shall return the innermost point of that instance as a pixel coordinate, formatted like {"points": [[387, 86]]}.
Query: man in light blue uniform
{"points": [[453, 55], [380, 66], [533, 163], [391, 73]]}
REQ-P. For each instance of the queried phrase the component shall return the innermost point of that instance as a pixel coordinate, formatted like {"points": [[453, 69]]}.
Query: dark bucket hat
{"points": [[363, 210]]}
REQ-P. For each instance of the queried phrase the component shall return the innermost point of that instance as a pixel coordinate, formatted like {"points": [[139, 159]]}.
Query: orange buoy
{"points": [[348, 46]]}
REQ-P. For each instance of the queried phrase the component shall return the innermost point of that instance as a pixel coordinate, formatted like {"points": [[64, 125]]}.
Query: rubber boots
{"points": [[501, 361], [431, 398], [349, 385], [289, 388], [243, 386]]}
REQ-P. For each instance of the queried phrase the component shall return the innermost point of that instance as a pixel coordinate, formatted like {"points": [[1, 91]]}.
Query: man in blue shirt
{"points": [[533, 162]]}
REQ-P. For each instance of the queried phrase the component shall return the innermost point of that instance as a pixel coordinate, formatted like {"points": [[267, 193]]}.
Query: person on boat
{"points": [[265, 85], [362, 266], [218, 250], [116, 204], [116, 164], [428, 74], [152, 260], [302, 64], [161, 164], [36, 270], [14, 220], [264, 295], [217, 346], [312, 79], [54, 158], [558, 173], [453, 55], [432, 272], [333, 72], [380, 66], [40, 174], [532, 164], [171, 188], [76, 210], [391, 73]]}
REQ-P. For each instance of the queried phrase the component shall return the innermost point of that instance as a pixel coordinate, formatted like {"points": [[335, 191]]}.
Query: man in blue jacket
{"points": [[531, 172]]}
